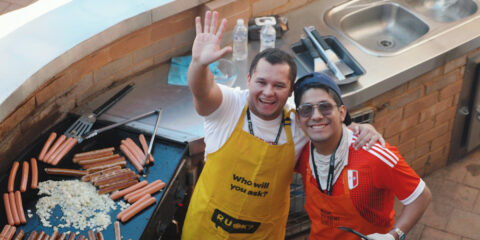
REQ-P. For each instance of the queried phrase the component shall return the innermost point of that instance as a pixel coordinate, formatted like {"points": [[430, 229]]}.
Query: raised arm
{"points": [[206, 50]]}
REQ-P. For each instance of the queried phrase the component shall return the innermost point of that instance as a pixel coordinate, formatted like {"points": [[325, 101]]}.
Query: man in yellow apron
{"points": [[251, 144]]}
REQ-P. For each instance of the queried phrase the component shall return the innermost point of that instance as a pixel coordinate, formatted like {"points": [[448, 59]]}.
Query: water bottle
{"points": [[267, 36], [240, 39]]}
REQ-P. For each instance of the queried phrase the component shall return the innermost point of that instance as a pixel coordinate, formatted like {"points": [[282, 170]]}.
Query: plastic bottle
{"points": [[240, 39], [267, 36]]}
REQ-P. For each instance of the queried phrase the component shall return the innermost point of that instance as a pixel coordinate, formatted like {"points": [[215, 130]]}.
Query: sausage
{"points": [[89, 176], [130, 189], [19, 204], [54, 235], [100, 236], [8, 211], [99, 159], [132, 159], [129, 208], [10, 233], [69, 144], [20, 235], [4, 231], [91, 235], [34, 182], [134, 156], [117, 186], [137, 207], [93, 154], [66, 172], [103, 167], [33, 235], [23, 183], [53, 149], [106, 162], [13, 208], [71, 236], [115, 178], [47, 145], [59, 149], [135, 150], [81, 237], [118, 233], [150, 188], [62, 236], [108, 174], [13, 173], [120, 181], [41, 235]]}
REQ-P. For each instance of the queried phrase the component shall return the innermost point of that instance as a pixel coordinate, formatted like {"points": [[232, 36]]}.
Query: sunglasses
{"points": [[306, 110]]}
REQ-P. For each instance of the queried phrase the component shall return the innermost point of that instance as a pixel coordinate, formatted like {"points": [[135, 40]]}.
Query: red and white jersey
{"points": [[374, 178]]}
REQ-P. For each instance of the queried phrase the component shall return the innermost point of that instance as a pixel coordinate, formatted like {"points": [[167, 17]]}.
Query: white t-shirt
{"points": [[220, 124]]}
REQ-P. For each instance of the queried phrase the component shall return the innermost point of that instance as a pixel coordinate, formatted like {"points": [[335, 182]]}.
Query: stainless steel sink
{"points": [[389, 27], [385, 28], [444, 10]]}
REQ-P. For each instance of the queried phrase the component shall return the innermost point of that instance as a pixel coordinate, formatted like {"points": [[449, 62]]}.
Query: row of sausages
{"points": [[8, 232], [25, 173], [12, 200], [135, 154], [52, 153]]}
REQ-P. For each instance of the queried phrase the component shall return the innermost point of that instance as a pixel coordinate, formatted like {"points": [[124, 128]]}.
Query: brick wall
{"points": [[114, 65], [418, 116]]}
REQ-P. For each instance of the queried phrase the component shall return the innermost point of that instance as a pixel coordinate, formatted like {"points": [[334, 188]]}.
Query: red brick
{"points": [[427, 77], [415, 130], [19, 114], [438, 159], [130, 43], [429, 113], [173, 25], [422, 150], [420, 104], [405, 98], [441, 141], [409, 157], [407, 147], [446, 115], [400, 125], [451, 90], [432, 134], [229, 9], [420, 162], [388, 118], [393, 140], [442, 82]]}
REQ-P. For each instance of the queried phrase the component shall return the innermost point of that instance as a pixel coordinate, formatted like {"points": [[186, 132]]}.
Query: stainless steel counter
{"points": [[180, 121]]}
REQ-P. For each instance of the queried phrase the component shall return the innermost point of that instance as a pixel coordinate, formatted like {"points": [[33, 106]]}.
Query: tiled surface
{"points": [[454, 213]]}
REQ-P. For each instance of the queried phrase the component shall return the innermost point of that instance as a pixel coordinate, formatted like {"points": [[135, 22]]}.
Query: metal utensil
{"points": [[318, 64], [354, 232], [145, 166], [344, 68], [86, 121], [330, 64], [95, 132]]}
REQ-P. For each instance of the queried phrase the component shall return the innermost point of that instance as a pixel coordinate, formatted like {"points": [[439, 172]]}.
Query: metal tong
{"points": [[347, 229]]}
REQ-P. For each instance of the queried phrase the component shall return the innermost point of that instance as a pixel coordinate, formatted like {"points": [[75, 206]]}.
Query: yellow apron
{"points": [[244, 189]]}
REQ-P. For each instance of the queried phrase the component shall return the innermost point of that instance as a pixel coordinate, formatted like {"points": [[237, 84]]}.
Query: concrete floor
{"points": [[454, 213]]}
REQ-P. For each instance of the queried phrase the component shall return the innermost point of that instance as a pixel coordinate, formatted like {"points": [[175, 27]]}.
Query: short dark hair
{"points": [[275, 56]]}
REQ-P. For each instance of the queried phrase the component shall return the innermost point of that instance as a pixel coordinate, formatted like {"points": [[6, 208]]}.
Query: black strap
{"points": [[331, 168], [250, 125]]}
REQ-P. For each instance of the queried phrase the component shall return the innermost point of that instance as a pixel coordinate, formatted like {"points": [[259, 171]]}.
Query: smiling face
{"points": [[269, 86], [324, 131]]}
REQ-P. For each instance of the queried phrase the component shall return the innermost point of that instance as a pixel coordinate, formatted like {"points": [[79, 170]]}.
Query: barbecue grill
{"points": [[153, 223]]}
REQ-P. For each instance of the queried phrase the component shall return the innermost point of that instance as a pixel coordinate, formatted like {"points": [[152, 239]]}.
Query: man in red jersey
{"points": [[348, 187]]}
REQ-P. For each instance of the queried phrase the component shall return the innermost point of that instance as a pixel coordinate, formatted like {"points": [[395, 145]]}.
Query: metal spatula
{"points": [[86, 121]]}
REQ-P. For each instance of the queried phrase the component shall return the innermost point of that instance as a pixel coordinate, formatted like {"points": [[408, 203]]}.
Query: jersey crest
{"points": [[352, 179]]}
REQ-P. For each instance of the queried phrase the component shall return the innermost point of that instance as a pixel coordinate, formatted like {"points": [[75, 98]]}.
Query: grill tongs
{"points": [[158, 111], [354, 232]]}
